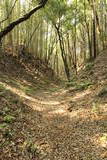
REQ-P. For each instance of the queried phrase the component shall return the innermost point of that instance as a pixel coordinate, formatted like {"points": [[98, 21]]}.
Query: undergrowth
{"points": [[79, 85]]}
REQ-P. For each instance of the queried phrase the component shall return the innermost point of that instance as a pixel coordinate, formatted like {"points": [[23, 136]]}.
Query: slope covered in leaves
{"points": [[25, 65], [20, 79], [96, 70], [96, 73]]}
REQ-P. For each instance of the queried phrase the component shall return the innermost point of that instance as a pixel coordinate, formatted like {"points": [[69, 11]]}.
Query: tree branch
{"points": [[12, 25]]}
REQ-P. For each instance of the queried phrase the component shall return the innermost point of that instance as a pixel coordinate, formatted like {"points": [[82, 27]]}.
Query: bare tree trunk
{"points": [[94, 39], [67, 71]]}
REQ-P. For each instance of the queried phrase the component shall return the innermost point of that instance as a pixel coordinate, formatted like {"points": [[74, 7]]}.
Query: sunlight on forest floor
{"points": [[81, 94], [79, 121]]}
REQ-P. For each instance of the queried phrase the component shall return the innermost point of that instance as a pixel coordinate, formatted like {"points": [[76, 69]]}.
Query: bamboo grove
{"points": [[65, 33]]}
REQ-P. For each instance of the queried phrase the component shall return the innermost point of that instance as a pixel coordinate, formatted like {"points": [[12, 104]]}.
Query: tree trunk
{"points": [[67, 71], [94, 39]]}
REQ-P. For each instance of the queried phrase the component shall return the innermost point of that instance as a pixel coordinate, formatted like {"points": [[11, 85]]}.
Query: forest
{"points": [[53, 79]]}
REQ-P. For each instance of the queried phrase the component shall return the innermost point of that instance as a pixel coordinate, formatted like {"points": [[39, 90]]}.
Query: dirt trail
{"points": [[64, 135]]}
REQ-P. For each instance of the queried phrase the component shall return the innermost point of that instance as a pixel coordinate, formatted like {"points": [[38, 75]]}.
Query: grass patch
{"points": [[79, 85]]}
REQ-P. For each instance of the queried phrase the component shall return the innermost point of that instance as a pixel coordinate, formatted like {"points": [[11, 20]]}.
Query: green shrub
{"points": [[9, 119], [30, 146], [83, 85]]}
